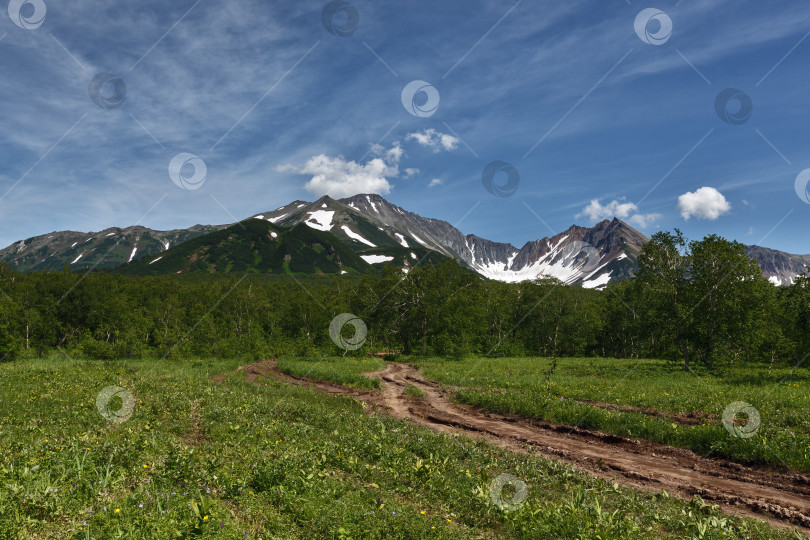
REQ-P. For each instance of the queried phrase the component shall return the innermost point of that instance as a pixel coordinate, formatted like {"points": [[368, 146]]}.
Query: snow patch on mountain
{"points": [[598, 282], [418, 239], [374, 259], [320, 220], [132, 255], [353, 235], [401, 240], [560, 262], [368, 198], [277, 219]]}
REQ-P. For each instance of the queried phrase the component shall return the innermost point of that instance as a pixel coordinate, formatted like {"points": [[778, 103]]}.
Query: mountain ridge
{"points": [[380, 232]]}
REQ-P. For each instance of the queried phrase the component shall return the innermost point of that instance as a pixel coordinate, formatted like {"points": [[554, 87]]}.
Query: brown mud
{"points": [[781, 498]]}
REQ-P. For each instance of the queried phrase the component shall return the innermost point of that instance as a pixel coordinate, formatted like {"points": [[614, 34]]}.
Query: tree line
{"points": [[700, 302]]}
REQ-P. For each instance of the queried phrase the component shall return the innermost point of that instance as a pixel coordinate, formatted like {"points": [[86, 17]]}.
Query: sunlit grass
{"points": [[526, 387], [347, 371], [239, 460]]}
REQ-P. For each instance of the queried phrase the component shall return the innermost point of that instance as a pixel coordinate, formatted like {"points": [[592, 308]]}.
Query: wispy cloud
{"points": [[221, 63], [435, 140]]}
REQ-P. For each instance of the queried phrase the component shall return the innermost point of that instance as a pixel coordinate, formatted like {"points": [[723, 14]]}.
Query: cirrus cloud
{"points": [[705, 203], [436, 140]]}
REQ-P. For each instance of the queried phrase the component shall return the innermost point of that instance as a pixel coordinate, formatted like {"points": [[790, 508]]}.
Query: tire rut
{"points": [[783, 499]]}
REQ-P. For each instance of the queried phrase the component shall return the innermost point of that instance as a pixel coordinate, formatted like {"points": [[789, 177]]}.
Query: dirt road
{"points": [[643, 464]]}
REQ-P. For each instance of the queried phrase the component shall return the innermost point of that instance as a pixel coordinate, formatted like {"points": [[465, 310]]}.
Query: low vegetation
{"points": [[679, 408], [201, 459], [346, 371], [232, 459], [414, 392]]}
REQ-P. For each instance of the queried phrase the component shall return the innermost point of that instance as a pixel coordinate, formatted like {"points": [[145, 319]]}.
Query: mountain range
{"points": [[351, 235]]}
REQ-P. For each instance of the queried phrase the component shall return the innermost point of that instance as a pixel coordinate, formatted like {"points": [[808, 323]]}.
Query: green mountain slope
{"points": [[104, 249], [255, 246]]}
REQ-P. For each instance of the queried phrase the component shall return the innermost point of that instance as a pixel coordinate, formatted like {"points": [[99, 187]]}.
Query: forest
{"points": [[699, 302]]}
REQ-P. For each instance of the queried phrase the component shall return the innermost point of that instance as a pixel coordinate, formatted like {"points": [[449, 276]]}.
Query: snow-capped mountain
{"points": [[779, 267], [381, 233], [591, 256], [104, 249]]}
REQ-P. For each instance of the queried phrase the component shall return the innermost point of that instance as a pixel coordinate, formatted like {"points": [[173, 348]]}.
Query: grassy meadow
{"points": [[347, 371], [537, 388], [198, 459]]}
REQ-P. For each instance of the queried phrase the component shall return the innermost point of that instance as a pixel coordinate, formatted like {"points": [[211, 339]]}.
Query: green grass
{"points": [[347, 371], [521, 386], [414, 392], [238, 460]]}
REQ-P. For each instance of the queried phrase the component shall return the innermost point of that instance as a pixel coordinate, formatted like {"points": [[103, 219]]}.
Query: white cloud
{"points": [[337, 177], [392, 155], [596, 211], [643, 221], [705, 203], [436, 140], [410, 171], [435, 182]]}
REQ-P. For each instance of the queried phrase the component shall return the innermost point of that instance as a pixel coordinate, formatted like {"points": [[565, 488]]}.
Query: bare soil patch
{"points": [[782, 498]]}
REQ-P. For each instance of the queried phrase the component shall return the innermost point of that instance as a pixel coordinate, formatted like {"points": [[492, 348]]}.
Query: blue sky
{"points": [[279, 108]]}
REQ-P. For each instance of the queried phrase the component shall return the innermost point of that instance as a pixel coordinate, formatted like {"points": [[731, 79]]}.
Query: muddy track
{"points": [[784, 498]]}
